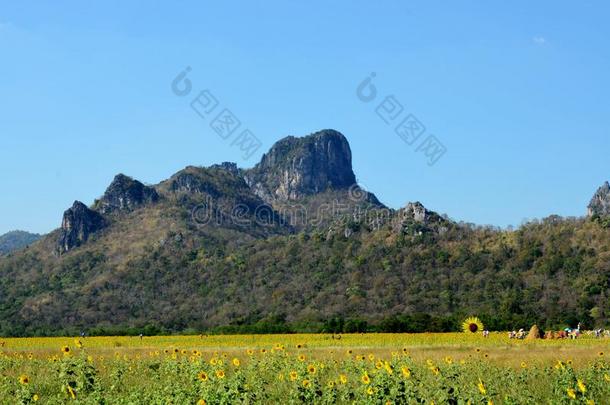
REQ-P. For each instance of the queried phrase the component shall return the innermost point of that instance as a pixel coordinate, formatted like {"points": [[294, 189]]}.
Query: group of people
{"points": [[567, 333], [517, 335]]}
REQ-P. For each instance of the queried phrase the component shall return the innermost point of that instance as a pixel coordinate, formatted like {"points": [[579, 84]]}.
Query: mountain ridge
{"points": [[291, 245], [15, 240]]}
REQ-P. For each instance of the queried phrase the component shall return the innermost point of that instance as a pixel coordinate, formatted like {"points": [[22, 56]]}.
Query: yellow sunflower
{"points": [[24, 379], [65, 349], [220, 374], [472, 325], [571, 393], [293, 375], [236, 362], [343, 378], [203, 376], [311, 369], [306, 383], [365, 379]]}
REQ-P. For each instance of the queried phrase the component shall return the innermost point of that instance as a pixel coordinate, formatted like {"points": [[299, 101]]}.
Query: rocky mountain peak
{"points": [[227, 166], [297, 167], [78, 223], [125, 194], [600, 203]]}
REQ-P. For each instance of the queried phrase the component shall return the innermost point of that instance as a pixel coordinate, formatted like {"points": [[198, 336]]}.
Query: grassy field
{"points": [[361, 368]]}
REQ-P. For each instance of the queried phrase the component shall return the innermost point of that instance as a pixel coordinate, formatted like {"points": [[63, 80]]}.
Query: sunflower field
{"points": [[454, 368]]}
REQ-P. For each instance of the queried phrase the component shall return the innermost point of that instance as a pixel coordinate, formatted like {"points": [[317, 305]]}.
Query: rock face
{"points": [[417, 212], [297, 167], [78, 223], [417, 218], [600, 203], [125, 194]]}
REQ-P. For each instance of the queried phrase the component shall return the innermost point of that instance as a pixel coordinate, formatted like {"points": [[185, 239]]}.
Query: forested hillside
{"points": [[179, 256]]}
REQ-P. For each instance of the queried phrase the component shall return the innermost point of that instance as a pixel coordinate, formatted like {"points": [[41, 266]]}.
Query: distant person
{"points": [[485, 333], [141, 336]]}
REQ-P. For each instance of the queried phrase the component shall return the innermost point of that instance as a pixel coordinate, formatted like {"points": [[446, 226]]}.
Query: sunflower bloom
{"points": [[236, 362], [581, 386], [203, 376], [35, 397], [311, 369], [306, 383], [571, 393], [220, 374], [293, 375], [472, 325], [406, 373], [24, 379], [201, 402], [343, 378], [365, 379]]}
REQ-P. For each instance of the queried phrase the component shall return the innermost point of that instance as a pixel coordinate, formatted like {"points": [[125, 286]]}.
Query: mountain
{"points": [[600, 203], [298, 167], [294, 243], [15, 240]]}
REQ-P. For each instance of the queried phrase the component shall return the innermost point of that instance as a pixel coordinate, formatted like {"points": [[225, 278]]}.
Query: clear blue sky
{"points": [[516, 91]]}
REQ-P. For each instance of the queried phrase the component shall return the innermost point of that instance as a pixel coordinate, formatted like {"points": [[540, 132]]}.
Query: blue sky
{"points": [[517, 93]]}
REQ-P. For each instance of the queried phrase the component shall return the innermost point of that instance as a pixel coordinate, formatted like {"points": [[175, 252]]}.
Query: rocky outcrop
{"points": [[297, 167], [417, 212], [227, 166], [78, 223], [125, 194], [193, 180], [600, 203], [416, 219]]}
